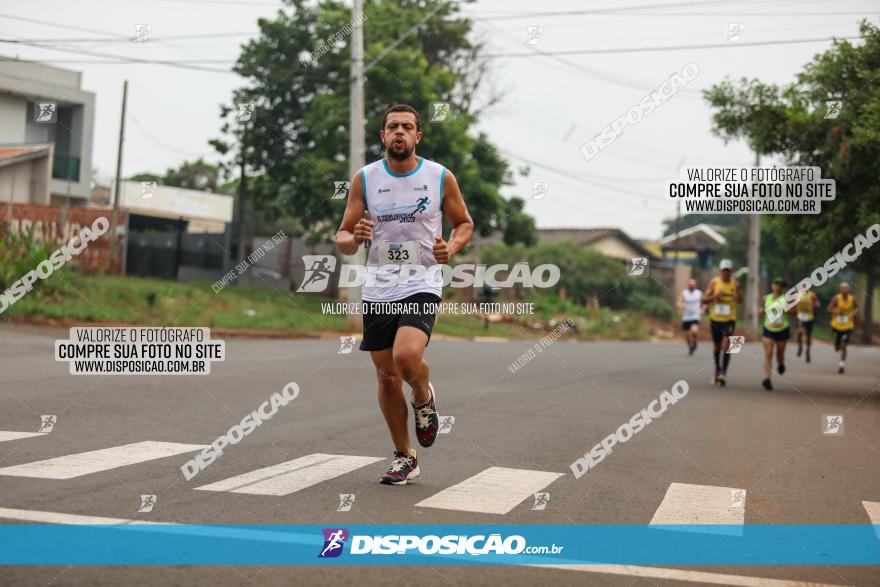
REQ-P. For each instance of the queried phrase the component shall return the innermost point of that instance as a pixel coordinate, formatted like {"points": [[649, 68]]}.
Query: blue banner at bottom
{"points": [[169, 544]]}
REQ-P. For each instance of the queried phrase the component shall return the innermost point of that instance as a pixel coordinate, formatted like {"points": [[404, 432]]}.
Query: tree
{"points": [[196, 175], [519, 227], [790, 122], [297, 140]]}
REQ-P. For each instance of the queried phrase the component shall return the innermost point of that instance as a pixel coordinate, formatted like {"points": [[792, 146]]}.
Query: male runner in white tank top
{"points": [[691, 305], [405, 197]]}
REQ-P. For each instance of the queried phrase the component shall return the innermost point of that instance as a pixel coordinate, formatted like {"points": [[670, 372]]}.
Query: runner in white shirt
{"points": [[691, 305], [397, 204]]}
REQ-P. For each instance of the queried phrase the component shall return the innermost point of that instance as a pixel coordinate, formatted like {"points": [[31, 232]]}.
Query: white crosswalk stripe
{"points": [[873, 509], [86, 463], [701, 505], [497, 490], [6, 435], [291, 476]]}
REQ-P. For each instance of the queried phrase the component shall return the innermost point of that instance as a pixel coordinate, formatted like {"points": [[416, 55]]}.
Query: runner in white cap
{"points": [[722, 295]]}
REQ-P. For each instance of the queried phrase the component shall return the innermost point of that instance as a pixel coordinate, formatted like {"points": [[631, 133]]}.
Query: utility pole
{"points": [[242, 192], [357, 144], [118, 184], [754, 282]]}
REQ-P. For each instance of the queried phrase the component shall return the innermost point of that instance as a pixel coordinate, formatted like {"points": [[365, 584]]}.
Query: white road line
{"points": [[683, 575], [13, 435], [58, 518], [873, 509], [497, 490], [701, 504], [291, 476], [242, 534], [85, 463]]}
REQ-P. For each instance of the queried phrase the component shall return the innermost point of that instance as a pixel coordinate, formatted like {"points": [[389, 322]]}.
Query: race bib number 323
{"points": [[405, 253]]}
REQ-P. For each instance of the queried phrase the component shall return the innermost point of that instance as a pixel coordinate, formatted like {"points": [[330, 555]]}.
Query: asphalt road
{"points": [[541, 418]]}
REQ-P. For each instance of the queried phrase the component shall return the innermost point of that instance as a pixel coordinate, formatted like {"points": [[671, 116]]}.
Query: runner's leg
{"points": [[695, 333], [391, 399], [725, 344], [767, 343], [408, 354]]}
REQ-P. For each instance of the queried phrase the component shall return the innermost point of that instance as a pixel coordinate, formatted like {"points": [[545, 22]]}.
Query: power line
{"points": [[129, 40], [178, 64], [581, 178], [597, 74], [671, 47], [616, 10]]}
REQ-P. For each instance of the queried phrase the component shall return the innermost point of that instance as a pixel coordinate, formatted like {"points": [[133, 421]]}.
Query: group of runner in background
{"points": [[720, 299]]}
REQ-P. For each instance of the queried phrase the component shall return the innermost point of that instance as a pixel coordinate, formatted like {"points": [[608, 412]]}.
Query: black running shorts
{"points": [[841, 336], [721, 330], [382, 319]]}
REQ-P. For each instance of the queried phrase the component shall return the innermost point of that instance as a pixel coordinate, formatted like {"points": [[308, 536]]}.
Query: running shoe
{"points": [[404, 467], [767, 385], [427, 420], [716, 380], [722, 379], [840, 370], [780, 368]]}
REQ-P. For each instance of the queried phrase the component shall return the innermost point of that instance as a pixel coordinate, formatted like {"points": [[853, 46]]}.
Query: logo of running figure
{"points": [[45, 112], [340, 189], [346, 345], [141, 32], [833, 108], [421, 205], [638, 267], [319, 268], [148, 188], [534, 34], [541, 501], [737, 498], [735, 32], [446, 424], [832, 424], [147, 503], [735, 344], [47, 423], [539, 189], [334, 541], [346, 500], [439, 111], [245, 111]]}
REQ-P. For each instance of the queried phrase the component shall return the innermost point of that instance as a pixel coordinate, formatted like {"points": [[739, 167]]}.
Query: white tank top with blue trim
{"points": [[406, 210]]}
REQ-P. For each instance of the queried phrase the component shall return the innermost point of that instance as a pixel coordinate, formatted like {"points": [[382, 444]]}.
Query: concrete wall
{"points": [[13, 118], [31, 181]]}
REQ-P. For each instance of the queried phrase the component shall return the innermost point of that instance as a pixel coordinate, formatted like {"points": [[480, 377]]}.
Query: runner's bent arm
{"points": [[354, 229], [832, 305], [457, 213], [710, 293]]}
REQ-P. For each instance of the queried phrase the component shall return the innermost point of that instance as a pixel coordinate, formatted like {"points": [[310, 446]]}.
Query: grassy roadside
{"points": [[76, 298]]}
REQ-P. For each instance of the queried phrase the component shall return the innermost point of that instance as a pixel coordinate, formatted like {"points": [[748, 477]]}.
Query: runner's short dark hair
{"points": [[402, 108]]}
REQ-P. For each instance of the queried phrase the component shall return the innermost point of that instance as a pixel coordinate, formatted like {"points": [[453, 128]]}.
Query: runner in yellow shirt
{"points": [[807, 305], [722, 294], [776, 333], [843, 309]]}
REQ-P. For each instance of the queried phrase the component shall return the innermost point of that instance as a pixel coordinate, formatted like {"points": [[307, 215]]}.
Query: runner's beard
{"points": [[399, 153]]}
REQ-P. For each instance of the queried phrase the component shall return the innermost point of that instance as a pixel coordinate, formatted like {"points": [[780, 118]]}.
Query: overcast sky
{"points": [[550, 105]]}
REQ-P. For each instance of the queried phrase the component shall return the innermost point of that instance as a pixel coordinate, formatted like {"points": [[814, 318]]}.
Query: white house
{"points": [[42, 106]]}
